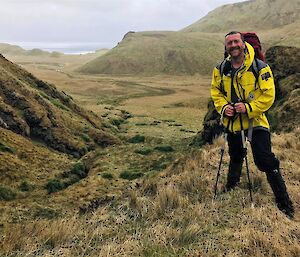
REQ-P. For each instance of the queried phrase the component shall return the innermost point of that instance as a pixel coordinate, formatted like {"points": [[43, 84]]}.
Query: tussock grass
{"points": [[172, 214]]}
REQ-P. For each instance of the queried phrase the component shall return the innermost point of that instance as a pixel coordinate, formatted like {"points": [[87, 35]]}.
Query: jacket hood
{"points": [[249, 55]]}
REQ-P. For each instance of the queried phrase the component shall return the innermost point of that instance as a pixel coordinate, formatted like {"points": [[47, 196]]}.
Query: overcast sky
{"points": [[101, 21]]}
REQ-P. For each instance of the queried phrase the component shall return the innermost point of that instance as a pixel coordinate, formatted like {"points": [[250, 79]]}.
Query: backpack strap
{"points": [[255, 67]]}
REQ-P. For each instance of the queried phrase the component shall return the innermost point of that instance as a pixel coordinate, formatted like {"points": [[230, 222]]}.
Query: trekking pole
{"points": [[221, 159], [246, 159]]}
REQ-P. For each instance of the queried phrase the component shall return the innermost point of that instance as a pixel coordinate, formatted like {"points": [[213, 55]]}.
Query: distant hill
{"points": [[37, 110], [256, 15], [8, 49], [158, 52], [198, 47]]}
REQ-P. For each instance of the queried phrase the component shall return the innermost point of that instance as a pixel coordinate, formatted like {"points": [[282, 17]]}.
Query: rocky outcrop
{"points": [[285, 113], [35, 109]]}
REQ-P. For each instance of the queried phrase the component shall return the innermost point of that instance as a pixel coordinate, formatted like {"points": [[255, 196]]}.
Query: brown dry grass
{"points": [[173, 215], [170, 213]]}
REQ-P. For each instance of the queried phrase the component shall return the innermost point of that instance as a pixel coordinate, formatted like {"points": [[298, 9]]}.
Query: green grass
{"points": [[54, 185], [26, 186], [107, 175], [144, 151], [136, 139], [131, 174], [7, 194], [5, 148], [164, 148]]}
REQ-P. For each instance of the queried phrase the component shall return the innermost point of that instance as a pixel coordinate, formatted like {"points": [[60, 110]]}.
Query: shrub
{"points": [[117, 121], [54, 185], [7, 194], [107, 175], [164, 148], [85, 137], [58, 104], [137, 139], [45, 213], [5, 148], [131, 174], [144, 151], [79, 170], [26, 186]]}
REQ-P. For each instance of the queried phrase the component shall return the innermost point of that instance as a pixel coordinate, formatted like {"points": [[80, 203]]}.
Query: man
{"points": [[242, 100]]}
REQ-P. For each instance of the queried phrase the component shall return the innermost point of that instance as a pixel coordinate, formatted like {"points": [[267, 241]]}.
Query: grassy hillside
{"points": [[173, 215], [8, 49], [198, 47], [159, 52], [35, 109], [256, 15]]}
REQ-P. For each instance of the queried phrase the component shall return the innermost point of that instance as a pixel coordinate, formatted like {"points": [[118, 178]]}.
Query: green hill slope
{"points": [[35, 109], [257, 15], [198, 47], [159, 52]]}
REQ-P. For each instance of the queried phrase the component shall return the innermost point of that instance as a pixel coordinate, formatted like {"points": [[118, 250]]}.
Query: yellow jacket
{"points": [[258, 97]]}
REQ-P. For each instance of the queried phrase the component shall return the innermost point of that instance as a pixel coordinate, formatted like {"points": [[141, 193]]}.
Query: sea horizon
{"points": [[62, 47]]}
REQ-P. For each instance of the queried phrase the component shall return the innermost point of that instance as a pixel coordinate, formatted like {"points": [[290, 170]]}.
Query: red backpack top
{"points": [[252, 39]]}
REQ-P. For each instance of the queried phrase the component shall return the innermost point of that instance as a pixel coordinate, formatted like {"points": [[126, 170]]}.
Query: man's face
{"points": [[234, 45]]}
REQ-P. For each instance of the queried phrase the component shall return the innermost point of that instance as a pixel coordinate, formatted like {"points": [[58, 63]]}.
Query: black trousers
{"points": [[264, 159]]}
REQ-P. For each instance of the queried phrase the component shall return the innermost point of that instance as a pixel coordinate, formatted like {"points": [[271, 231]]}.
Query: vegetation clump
{"points": [[25, 186], [131, 174], [7, 194], [54, 185], [136, 139], [45, 213], [164, 148], [144, 151], [107, 175], [5, 148]]}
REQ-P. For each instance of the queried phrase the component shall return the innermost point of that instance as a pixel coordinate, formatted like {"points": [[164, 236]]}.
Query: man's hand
{"points": [[240, 108], [229, 111]]}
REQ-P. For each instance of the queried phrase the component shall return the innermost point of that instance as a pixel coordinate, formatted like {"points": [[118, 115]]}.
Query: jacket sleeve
{"points": [[265, 100], [217, 94]]}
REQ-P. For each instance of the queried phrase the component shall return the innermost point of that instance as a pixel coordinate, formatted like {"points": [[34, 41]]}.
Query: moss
{"points": [[45, 213], [54, 185], [137, 139], [7, 194], [79, 170], [164, 148], [131, 174], [144, 151], [107, 175], [5, 148], [25, 186], [58, 104]]}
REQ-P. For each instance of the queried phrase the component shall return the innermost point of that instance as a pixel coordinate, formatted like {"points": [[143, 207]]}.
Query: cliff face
{"points": [[285, 112], [37, 110]]}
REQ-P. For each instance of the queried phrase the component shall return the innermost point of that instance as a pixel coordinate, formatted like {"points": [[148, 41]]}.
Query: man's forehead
{"points": [[233, 36]]}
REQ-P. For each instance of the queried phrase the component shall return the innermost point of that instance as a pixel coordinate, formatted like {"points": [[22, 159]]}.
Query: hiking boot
{"points": [[282, 198], [234, 175]]}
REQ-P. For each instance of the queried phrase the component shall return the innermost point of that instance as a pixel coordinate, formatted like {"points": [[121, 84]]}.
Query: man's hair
{"points": [[235, 32]]}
